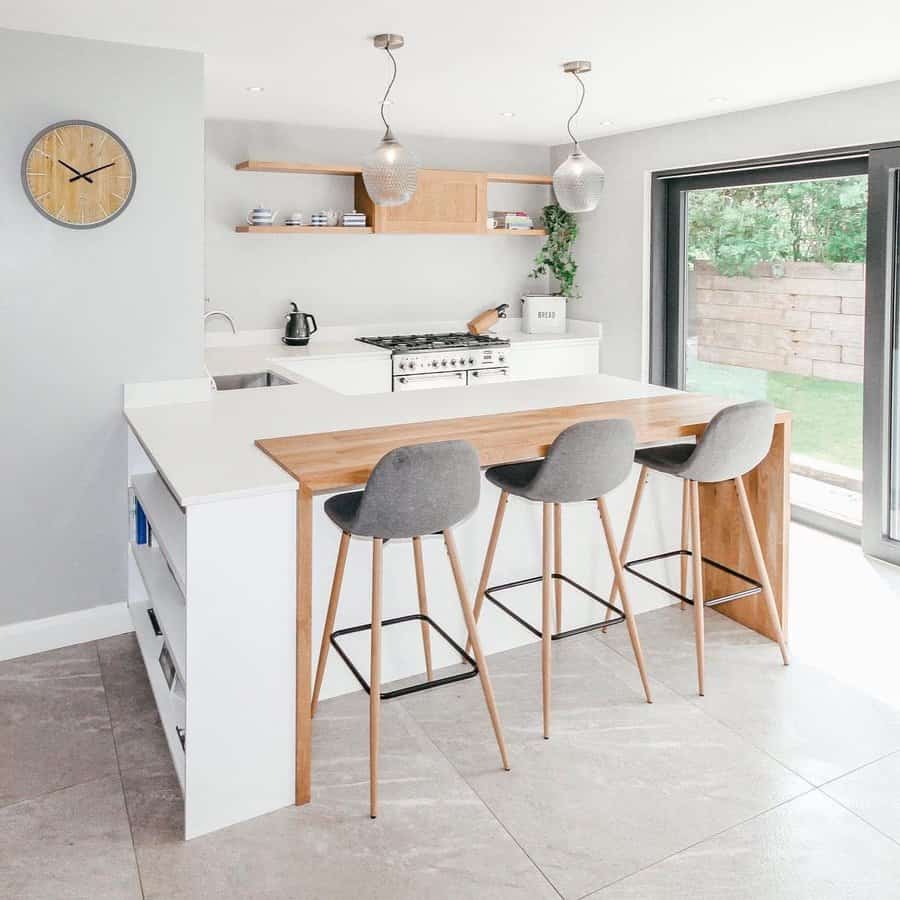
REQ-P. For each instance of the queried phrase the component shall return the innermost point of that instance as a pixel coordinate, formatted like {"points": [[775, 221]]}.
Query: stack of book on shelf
{"points": [[512, 220]]}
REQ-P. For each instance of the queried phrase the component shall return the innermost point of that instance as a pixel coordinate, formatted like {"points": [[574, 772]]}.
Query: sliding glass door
{"points": [[881, 498], [781, 281], [766, 291]]}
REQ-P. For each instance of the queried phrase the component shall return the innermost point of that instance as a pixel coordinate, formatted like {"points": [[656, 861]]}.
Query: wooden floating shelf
{"points": [[513, 178], [255, 165], [303, 229], [519, 232]]}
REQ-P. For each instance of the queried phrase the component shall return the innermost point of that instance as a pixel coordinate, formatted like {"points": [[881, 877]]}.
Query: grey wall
{"points": [[84, 312], [612, 248], [355, 279]]}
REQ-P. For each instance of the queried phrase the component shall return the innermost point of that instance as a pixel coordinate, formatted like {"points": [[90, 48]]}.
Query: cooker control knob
{"points": [[434, 363], [452, 362], [402, 366], [471, 360], [501, 358], [443, 362]]}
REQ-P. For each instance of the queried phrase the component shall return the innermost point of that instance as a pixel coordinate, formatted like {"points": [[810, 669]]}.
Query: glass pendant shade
{"points": [[578, 183], [390, 172]]}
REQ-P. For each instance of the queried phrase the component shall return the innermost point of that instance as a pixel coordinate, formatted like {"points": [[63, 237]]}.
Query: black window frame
{"points": [[667, 217]]}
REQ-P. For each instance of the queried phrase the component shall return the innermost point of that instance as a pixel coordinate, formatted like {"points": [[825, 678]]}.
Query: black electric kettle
{"points": [[296, 328]]}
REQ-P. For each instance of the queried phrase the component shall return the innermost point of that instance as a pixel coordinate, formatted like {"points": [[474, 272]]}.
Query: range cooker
{"points": [[453, 359]]}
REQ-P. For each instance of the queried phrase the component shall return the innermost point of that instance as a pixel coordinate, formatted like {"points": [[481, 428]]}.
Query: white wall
{"points": [[612, 249], [83, 312], [346, 279]]}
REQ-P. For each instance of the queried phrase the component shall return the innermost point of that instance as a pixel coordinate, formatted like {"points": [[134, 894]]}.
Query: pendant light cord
{"points": [[388, 91], [577, 108]]}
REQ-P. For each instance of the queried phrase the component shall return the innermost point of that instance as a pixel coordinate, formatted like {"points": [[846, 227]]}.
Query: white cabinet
{"points": [[554, 360], [212, 593], [346, 374]]}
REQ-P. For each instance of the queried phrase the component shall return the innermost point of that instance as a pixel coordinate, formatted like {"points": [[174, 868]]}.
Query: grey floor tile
{"points": [[139, 739], [873, 793], [816, 724], [54, 724], [74, 844], [808, 849], [620, 785], [433, 837]]}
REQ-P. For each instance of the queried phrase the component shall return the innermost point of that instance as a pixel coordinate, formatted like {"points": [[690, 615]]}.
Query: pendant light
{"points": [[389, 171], [578, 182]]}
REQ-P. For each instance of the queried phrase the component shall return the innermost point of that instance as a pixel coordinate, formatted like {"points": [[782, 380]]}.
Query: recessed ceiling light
{"points": [[254, 89], [717, 99], [605, 123], [508, 115]]}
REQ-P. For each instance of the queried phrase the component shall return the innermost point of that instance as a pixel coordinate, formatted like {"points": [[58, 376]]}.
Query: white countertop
{"points": [[241, 358], [254, 351], [205, 450]]}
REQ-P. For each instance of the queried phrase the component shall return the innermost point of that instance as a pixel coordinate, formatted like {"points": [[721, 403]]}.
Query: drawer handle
{"points": [[151, 615]]}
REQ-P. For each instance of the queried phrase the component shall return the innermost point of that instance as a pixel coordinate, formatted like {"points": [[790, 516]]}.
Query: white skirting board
{"points": [[38, 635]]}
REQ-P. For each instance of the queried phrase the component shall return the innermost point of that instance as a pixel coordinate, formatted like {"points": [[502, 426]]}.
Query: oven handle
{"points": [[490, 374], [424, 381]]}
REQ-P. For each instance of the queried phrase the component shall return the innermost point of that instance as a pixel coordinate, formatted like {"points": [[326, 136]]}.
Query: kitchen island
{"points": [[260, 551]]}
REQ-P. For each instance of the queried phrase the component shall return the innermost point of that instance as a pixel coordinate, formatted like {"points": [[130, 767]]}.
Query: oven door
{"points": [[423, 382], [488, 376]]}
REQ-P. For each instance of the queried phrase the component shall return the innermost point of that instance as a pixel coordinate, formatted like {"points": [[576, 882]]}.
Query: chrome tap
{"points": [[206, 317], [219, 312]]}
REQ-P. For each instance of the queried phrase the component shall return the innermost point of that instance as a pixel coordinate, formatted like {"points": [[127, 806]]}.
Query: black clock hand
{"points": [[77, 173], [91, 172]]}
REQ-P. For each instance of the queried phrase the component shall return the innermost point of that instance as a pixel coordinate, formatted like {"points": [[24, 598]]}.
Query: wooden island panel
{"points": [[333, 461]]}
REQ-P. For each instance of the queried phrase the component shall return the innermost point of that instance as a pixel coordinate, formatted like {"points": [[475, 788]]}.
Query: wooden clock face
{"points": [[78, 174]]}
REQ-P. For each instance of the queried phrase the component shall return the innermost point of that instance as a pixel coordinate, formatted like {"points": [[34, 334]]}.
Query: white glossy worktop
{"points": [[205, 450]]}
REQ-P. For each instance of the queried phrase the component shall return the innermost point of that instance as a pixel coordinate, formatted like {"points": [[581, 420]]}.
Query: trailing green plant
{"points": [[555, 257]]}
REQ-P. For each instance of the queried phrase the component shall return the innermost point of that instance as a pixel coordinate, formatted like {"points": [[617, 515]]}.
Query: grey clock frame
{"points": [[41, 210]]}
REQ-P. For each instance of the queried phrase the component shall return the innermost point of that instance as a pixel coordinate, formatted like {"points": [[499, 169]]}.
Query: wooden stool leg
{"points": [[629, 531], [619, 572], [489, 557], [699, 596], [329, 618], [685, 525], [547, 538], [375, 676], [423, 603], [557, 561], [469, 617], [768, 594]]}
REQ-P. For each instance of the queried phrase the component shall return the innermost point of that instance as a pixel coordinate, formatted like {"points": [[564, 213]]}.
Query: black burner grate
{"points": [[405, 343]]}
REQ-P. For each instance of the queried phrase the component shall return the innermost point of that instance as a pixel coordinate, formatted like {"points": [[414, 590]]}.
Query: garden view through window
{"points": [[775, 302]]}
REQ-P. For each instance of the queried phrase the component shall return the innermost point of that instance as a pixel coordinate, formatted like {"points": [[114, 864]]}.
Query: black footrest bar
{"points": [[415, 688], [715, 601], [615, 620]]}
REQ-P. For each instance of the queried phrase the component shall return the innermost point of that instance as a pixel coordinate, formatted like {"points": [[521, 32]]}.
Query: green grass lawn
{"points": [[827, 414]]}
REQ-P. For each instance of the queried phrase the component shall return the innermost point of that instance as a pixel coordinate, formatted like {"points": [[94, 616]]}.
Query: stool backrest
{"points": [[420, 490], [585, 461], [736, 440]]}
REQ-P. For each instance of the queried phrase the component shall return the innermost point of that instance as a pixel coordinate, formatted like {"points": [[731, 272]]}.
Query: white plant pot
{"points": [[543, 314]]}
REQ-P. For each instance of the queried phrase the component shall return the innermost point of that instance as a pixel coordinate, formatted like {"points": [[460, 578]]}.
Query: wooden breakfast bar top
{"points": [[332, 461], [341, 459]]}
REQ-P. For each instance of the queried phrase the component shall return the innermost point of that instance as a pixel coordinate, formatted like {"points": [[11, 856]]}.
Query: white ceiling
{"points": [[467, 61]]}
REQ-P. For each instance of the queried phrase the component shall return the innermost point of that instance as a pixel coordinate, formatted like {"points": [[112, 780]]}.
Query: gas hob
{"points": [[443, 360], [451, 340]]}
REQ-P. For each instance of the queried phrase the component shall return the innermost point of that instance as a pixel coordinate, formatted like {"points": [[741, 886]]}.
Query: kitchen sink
{"points": [[249, 380]]}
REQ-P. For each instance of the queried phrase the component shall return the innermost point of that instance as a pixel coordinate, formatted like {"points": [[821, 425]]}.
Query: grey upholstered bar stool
{"points": [[585, 462], [735, 442], [412, 491]]}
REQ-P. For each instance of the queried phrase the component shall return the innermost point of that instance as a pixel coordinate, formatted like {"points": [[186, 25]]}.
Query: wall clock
{"points": [[78, 174]]}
